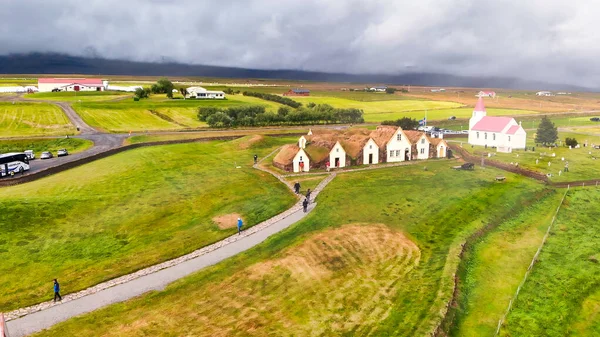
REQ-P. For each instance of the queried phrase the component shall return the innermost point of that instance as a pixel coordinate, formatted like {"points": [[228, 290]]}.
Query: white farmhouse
{"points": [[499, 132], [202, 93], [337, 156], [71, 84], [370, 152], [399, 147], [420, 142]]}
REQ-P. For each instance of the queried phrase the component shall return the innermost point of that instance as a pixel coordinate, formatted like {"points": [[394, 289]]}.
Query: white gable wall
{"points": [[301, 157], [441, 150], [337, 152], [397, 147], [371, 150], [423, 148]]}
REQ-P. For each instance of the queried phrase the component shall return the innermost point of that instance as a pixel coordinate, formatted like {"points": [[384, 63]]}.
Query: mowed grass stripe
{"points": [[33, 119]]}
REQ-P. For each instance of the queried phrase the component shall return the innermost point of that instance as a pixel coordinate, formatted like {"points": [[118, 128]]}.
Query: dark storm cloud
{"points": [[542, 40]]}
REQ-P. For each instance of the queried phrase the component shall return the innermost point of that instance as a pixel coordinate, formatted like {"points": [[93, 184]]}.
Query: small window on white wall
{"points": [[337, 150], [370, 146], [477, 135], [493, 136], [399, 137], [485, 135], [422, 150], [422, 140], [300, 158], [397, 153], [509, 138], [391, 153]]}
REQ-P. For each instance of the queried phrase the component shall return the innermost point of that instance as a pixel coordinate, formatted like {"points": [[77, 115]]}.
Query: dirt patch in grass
{"points": [[252, 140], [227, 221]]}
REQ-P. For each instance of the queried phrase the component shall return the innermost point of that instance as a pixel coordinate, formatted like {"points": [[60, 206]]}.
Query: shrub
{"points": [[274, 98], [571, 142]]}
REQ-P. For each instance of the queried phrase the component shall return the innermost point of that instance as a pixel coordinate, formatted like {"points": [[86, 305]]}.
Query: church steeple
{"points": [[478, 113]]}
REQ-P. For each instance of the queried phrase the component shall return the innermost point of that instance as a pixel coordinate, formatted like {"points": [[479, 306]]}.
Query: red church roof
{"points": [[512, 130], [83, 81], [492, 124], [480, 106]]}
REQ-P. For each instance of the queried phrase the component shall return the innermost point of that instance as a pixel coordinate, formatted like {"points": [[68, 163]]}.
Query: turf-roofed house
{"points": [[337, 149]]}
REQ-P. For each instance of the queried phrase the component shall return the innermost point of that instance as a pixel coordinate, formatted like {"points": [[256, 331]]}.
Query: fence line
{"points": [[535, 257]]}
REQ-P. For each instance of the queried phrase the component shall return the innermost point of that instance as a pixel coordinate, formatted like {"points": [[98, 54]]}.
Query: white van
{"points": [[30, 154]]}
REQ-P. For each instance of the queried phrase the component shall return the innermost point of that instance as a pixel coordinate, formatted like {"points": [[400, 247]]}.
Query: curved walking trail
{"points": [[35, 318]]}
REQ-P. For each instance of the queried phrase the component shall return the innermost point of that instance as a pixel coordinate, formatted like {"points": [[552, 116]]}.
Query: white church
{"points": [[502, 133]]}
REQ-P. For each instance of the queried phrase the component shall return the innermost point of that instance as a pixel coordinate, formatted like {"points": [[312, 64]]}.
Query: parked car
{"points": [[465, 132], [62, 153], [30, 155], [46, 155], [451, 118], [55, 90]]}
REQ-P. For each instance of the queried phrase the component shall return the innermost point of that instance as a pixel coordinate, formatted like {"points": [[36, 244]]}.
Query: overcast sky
{"points": [[549, 40]]}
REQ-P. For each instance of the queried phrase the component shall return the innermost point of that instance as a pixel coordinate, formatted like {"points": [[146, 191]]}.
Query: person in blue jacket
{"points": [[240, 224], [57, 291]]}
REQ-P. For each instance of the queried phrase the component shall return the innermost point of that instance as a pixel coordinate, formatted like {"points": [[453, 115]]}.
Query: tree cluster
{"points": [[141, 93], [389, 90], [547, 133], [405, 123], [274, 98], [163, 86], [258, 116], [572, 142]]}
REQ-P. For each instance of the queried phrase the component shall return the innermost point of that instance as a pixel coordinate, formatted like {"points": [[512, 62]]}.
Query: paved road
{"points": [[44, 319]]}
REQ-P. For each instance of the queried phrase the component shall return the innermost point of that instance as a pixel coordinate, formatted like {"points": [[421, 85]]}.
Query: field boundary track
{"points": [[531, 265], [453, 304]]}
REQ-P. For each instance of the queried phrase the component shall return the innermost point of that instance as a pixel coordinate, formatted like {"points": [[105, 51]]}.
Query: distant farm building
{"points": [[544, 93], [202, 93], [379, 88], [483, 93], [337, 149], [71, 84], [503, 133], [297, 92]]}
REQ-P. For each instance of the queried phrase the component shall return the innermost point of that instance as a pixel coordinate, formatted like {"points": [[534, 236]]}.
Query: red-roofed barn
{"points": [[70, 84], [503, 133]]}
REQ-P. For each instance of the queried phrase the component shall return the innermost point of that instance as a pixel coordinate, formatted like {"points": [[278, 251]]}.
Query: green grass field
{"points": [[205, 134], [376, 257], [134, 209], [582, 164], [562, 294], [379, 107], [444, 114], [496, 265], [73, 145], [33, 119], [83, 96], [158, 113]]}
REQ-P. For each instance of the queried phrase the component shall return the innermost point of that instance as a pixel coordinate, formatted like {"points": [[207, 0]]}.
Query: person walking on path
{"points": [[308, 195], [239, 225], [305, 205], [297, 187], [567, 167], [255, 159], [57, 291]]}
